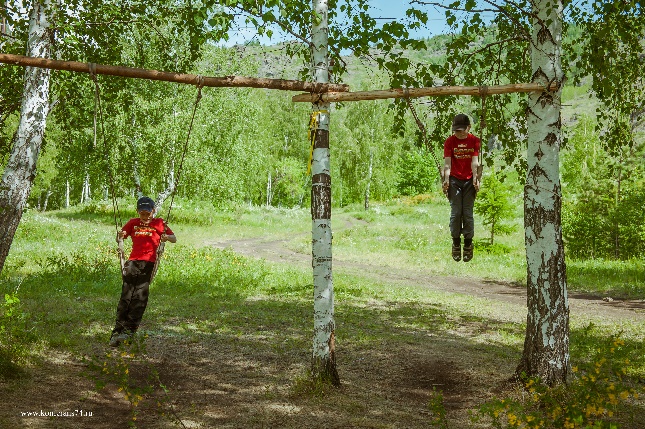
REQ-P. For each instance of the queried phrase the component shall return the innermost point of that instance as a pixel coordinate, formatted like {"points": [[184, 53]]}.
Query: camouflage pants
{"points": [[134, 296], [461, 194]]}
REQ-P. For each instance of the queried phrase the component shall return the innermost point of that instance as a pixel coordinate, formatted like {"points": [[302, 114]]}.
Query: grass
{"points": [[255, 317]]}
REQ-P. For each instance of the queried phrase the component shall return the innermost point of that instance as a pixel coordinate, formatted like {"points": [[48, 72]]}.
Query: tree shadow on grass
{"points": [[230, 343]]}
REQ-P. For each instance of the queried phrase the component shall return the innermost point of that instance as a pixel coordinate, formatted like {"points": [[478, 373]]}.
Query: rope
{"points": [[200, 85], [162, 245], [424, 133], [313, 126], [115, 205], [483, 92]]}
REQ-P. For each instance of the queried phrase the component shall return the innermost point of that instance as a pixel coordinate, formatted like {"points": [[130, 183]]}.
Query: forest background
{"points": [[250, 146]]}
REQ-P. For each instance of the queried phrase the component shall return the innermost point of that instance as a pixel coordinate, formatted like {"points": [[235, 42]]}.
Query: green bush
{"points": [[15, 338], [288, 179], [416, 172], [496, 207], [590, 400]]}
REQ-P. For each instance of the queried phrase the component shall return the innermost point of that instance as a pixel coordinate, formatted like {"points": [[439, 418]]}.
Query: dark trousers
{"points": [[461, 194], [134, 296]]}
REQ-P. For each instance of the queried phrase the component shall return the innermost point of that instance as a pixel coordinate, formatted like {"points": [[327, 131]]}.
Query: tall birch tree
{"points": [[546, 345], [20, 170], [324, 352]]}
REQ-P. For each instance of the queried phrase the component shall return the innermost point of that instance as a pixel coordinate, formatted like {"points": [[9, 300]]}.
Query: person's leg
{"points": [[455, 195], [469, 219], [140, 293], [124, 302]]}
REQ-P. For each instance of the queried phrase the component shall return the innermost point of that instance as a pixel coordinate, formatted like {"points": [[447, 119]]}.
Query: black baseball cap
{"points": [[145, 203], [460, 122]]}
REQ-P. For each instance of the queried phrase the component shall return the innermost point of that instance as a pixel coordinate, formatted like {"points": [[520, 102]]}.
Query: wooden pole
{"points": [[419, 92], [191, 79]]}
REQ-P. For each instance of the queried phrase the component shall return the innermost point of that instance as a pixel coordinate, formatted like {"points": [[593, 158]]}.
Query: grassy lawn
{"points": [[226, 339]]}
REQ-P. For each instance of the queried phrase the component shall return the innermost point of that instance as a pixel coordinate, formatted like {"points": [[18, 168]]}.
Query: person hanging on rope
{"points": [[460, 153], [147, 232]]}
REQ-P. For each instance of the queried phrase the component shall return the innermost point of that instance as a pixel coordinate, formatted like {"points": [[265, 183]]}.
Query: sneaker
{"points": [[117, 338], [456, 252], [468, 253]]}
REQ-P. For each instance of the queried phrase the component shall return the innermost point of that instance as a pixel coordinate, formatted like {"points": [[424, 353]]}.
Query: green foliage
{"points": [[16, 340], [417, 174], [81, 265], [287, 183], [437, 408], [495, 204], [602, 209], [597, 392]]}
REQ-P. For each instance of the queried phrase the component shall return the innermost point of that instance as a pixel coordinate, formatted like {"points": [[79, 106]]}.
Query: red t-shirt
{"points": [[461, 152], [145, 238]]}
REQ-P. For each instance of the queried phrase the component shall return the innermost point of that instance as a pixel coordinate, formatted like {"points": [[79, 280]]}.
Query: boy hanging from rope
{"points": [[147, 232], [460, 180]]}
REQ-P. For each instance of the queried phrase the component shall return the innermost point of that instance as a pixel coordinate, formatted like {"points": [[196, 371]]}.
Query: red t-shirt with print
{"points": [[461, 152], [145, 238]]}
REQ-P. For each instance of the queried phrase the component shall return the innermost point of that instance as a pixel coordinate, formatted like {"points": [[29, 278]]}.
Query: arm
{"points": [[168, 237], [474, 164], [447, 165], [123, 232]]}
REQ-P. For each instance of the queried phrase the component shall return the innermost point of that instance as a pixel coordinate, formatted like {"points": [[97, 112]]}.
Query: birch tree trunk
{"points": [[546, 347], [162, 196], [369, 182], [20, 171], [324, 358]]}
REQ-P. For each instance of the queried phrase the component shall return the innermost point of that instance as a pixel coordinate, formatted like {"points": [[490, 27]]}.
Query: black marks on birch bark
{"points": [[326, 368], [551, 139], [544, 35], [530, 112], [321, 139], [539, 76], [321, 197], [539, 154], [540, 347], [536, 217], [321, 183]]}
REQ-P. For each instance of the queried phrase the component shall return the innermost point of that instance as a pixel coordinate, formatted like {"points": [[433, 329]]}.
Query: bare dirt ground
{"points": [[238, 381], [277, 251]]}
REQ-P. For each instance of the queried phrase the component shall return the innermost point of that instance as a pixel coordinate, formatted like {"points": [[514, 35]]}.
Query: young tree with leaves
{"points": [[494, 205]]}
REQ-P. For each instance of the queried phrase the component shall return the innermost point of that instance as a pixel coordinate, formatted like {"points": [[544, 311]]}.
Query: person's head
{"points": [[461, 125], [145, 208]]}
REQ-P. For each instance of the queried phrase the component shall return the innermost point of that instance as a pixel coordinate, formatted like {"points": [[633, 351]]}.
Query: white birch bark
{"points": [[171, 185], [546, 347], [369, 182], [20, 171], [324, 361]]}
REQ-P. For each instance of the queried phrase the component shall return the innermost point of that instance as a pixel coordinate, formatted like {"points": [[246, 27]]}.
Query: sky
{"points": [[386, 9], [396, 9]]}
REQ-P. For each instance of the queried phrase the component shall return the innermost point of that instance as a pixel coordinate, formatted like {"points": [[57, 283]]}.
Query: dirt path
{"points": [[277, 250]]}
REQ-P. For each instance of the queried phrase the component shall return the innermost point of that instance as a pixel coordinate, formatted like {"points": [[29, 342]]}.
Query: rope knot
{"points": [[92, 67], [200, 85]]}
